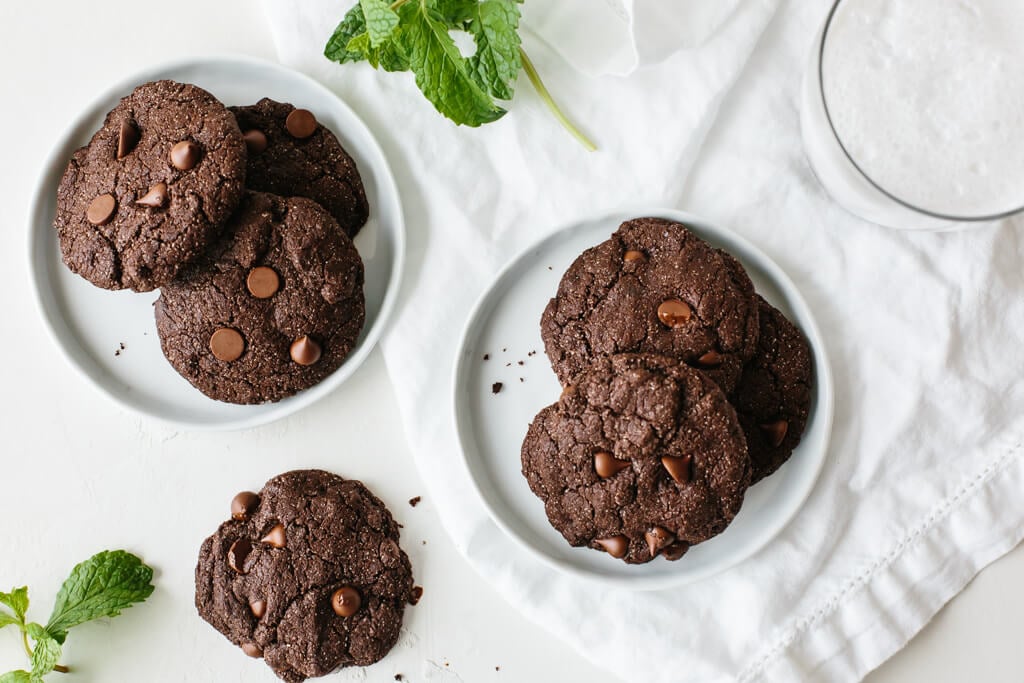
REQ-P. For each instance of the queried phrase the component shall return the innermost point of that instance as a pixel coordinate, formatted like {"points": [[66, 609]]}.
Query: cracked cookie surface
{"points": [[773, 397], [314, 300], [316, 166], [269, 578], [653, 287], [642, 456], [127, 216]]}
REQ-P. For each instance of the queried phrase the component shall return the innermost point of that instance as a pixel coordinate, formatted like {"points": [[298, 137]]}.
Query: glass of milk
{"points": [[913, 110]]}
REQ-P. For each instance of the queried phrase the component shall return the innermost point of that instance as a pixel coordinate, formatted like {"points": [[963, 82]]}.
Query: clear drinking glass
{"points": [[842, 171]]}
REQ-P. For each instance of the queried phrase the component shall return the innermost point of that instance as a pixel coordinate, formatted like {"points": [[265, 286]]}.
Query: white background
{"points": [[78, 475]]}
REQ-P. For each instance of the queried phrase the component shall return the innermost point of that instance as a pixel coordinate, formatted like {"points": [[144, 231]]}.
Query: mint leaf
{"points": [[17, 600], [442, 74], [457, 12], [18, 676], [496, 64], [381, 20], [45, 655], [102, 586], [352, 25], [8, 619]]}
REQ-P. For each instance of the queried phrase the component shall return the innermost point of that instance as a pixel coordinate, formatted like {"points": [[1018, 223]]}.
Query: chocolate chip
{"points": [[252, 649], [346, 601], [274, 537], [127, 138], [101, 210], [496, 387], [301, 123], [237, 554], [417, 593], [710, 359], [185, 155], [607, 465], [305, 351], [676, 550], [258, 608], [616, 546], [673, 312], [263, 282], [634, 255], [244, 504], [255, 141], [155, 198], [657, 538], [775, 432], [678, 468], [227, 344]]}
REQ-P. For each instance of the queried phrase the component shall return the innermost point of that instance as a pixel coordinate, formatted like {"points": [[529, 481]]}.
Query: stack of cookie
{"points": [[244, 219], [682, 387]]}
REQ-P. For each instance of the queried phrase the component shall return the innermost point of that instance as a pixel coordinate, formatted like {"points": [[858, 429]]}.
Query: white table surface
{"points": [[78, 475]]}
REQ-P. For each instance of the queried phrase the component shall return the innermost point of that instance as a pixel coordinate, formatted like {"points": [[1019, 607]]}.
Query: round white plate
{"points": [[506, 325], [90, 324]]}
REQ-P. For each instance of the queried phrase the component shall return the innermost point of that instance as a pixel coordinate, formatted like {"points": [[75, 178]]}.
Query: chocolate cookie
{"points": [[274, 308], [642, 456], [152, 189], [307, 574], [292, 155], [653, 287], [774, 394]]}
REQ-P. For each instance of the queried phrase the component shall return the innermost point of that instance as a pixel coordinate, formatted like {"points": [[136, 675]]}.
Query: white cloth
{"points": [[924, 477]]}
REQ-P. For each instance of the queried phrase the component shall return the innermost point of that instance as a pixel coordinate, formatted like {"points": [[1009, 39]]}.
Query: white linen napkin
{"points": [[923, 482]]}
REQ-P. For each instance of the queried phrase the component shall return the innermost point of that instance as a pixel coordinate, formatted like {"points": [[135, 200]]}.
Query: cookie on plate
{"points": [[653, 287], [152, 189], [773, 397], [307, 574], [293, 155], [642, 456], [275, 307]]}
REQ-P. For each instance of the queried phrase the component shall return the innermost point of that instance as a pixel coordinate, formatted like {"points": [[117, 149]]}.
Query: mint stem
{"points": [[538, 85]]}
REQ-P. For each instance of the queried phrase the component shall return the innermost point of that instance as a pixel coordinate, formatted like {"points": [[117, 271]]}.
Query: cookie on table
{"points": [[653, 287], [773, 397], [275, 307], [307, 574], [152, 189], [642, 456], [293, 155]]}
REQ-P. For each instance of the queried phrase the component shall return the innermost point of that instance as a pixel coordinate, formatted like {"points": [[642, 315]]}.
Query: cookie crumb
{"points": [[521, 363], [415, 501], [497, 668], [550, 268], [417, 593], [117, 352], [521, 379], [122, 346], [423, 542], [532, 353], [496, 387], [399, 677], [503, 350], [487, 356]]}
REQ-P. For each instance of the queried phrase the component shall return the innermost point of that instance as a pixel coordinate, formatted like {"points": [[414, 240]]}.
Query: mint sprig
{"points": [[414, 35], [102, 586]]}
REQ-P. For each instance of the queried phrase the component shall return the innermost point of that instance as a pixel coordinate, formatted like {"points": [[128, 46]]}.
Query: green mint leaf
{"points": [[18, 676], [496, 64], [457, 13], [391, 56], [45, 655], [102, 586], [352, 25], [442, 74], [36, 631], [381, 20], [8, 619], [17, 600]]}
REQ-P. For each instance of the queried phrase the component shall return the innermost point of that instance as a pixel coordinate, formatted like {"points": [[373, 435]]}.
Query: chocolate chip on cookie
{"points": [[292, 155], [152, 189], [773, 396], [312, 580], [644, 457], [275, 307], [653, 287]]}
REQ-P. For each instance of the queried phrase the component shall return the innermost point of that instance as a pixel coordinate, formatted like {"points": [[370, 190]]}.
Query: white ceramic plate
{"points": [[90, 324], [506, 325]]}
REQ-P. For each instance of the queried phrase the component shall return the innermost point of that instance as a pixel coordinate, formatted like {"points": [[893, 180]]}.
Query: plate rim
{"points": [[825, 407], [279, 410]]}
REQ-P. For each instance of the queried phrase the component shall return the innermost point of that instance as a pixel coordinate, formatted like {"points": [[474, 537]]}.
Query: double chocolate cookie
{"points": [[307, 574], [292, 155], [152, 189], [774, 394], [275, 307], [642, 456], [653, 287]]}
